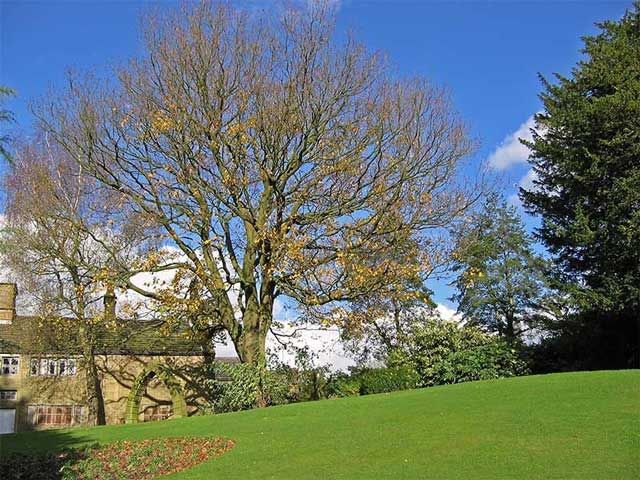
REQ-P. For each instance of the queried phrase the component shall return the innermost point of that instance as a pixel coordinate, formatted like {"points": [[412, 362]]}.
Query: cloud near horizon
{"points": [[511, 152]]}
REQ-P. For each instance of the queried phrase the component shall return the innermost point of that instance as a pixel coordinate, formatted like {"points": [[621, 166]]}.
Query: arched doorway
{"points": [[161, 372]]}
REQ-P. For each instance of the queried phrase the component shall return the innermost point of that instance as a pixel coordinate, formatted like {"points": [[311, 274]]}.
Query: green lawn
{"points": [[564, 426]]}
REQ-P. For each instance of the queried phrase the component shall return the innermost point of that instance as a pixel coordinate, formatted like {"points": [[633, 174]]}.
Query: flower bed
{"points": [[125, 460]]}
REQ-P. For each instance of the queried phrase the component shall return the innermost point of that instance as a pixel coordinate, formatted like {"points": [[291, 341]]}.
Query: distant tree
{"points": [[501, 281], [277, 160], [6, 116], [586, 156]]}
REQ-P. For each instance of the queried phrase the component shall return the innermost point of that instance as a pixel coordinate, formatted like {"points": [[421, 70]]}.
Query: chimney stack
{"points": [[109, 300], [8, 293]]}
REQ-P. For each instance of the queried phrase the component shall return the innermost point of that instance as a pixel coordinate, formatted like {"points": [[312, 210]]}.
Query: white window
{"points": [[10, 365], [43, 367], [8, 394], [7, 420], [49, 367]]}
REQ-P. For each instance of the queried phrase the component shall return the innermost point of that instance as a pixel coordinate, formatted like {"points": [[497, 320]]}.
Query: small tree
{"points": [[279, 162], [501, 281], [585, 153]]}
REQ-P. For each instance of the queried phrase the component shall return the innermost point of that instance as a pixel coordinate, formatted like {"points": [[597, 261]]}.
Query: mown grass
{"points": [[563, 426]]}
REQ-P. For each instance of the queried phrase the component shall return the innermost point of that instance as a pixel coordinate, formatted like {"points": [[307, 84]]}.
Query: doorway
{"points": [[7, 420]]}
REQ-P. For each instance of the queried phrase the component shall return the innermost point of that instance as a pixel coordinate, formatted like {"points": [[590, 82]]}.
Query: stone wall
{"points": [[118, 373]]}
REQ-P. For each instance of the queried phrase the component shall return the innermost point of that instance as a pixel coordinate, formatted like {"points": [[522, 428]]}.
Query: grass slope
{"points": [[563, 426]]}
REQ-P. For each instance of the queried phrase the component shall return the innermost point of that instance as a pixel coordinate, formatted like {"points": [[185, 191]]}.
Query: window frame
{"points": [[50, 415], [51, 366], [10, 366], [4, 397]]}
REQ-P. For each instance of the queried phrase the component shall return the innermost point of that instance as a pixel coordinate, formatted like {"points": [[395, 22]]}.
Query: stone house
{"points": [[143, 372]]}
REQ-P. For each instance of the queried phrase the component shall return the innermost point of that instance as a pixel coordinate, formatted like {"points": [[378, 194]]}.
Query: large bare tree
{"points": [[279, 161]]}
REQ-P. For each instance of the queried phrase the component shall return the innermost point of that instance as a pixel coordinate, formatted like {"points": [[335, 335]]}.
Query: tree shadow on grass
{"points": [[40, 455]]}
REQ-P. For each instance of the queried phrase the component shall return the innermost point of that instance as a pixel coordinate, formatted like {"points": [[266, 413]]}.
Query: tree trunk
{"points": [[208, 347], [95, 399], [509, 332], [251, 345], [94, 393]]}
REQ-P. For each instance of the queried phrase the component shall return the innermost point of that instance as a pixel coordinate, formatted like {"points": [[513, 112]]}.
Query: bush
{"points": [[343, 385], [383, 380], [444, 352], [229, 387], [372, 380], [306, 384]]}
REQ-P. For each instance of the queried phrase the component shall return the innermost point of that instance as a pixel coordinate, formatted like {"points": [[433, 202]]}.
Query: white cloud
{"points": [[323, 343], [511, 152], [448, 313]]}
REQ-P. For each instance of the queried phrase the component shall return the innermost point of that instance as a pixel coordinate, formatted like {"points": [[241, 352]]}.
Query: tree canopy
{"points": [[586, 156], [276, 160]]}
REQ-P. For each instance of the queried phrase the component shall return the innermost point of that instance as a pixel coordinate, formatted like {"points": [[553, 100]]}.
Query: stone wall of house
{"points": [[118, 373], [40, 390]]}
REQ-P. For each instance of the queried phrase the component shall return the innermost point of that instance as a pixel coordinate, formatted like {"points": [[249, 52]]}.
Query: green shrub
{"points": [[444, 352], [383, 380], [343, 385], [229, 387], [307, 384]]}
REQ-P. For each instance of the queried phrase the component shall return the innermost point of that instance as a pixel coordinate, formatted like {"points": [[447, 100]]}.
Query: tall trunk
{"points": [[509, 332], [208, 352], [251, 340], [95, 398], [251, 345]]}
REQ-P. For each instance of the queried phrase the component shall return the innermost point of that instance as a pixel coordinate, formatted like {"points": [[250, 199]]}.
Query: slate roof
{"points": [[33, 335]]}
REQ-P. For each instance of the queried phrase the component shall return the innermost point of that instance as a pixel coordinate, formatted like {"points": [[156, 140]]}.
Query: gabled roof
{"points": [[31, 335]]}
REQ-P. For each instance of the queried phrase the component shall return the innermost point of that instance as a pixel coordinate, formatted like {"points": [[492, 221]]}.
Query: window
{"points": [[71, 367], [157, 412], [50, 367], [56, 415], [10, 365], [8, 394]]}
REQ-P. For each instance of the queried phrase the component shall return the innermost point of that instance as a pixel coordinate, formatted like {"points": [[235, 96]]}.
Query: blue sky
{"points": [[487, 53]]}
